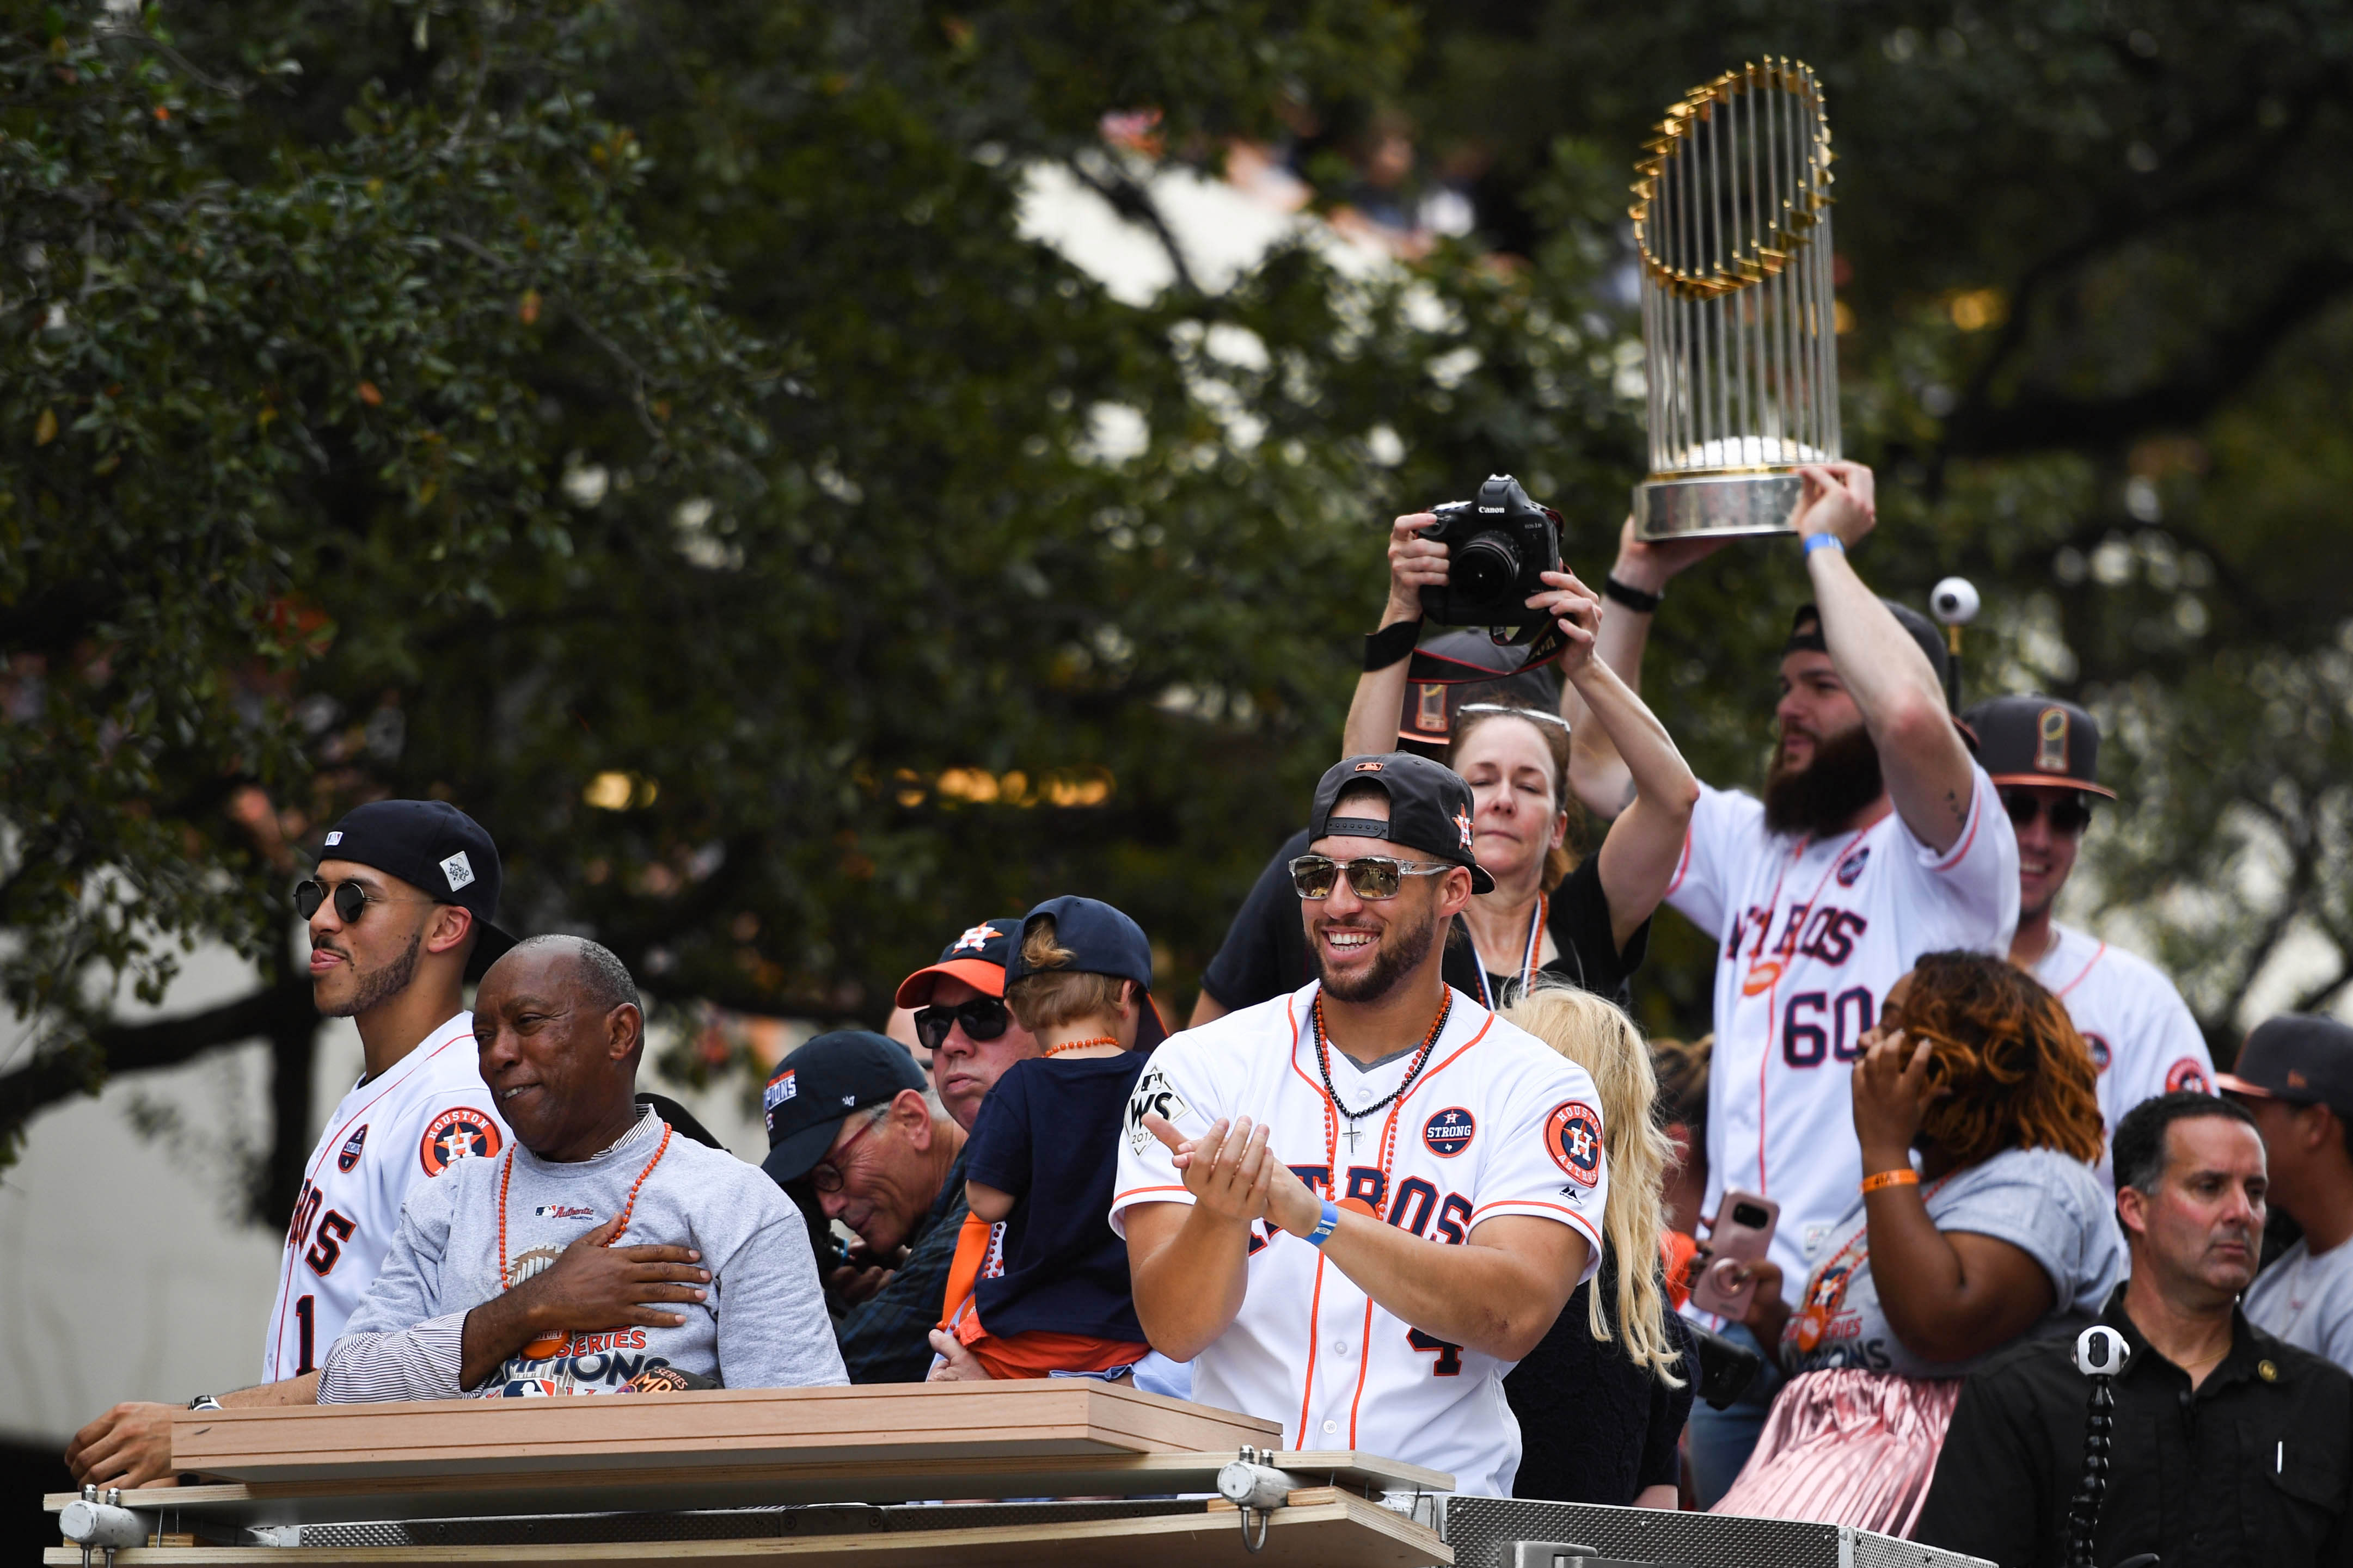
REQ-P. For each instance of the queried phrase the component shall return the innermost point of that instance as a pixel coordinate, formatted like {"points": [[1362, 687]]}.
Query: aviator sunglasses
{"points": [[982, 1018], [2069, 816], [350, 900], [1369, 877]]}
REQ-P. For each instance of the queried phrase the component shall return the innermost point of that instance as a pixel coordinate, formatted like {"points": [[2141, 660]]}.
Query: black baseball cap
{"points": [[819, 1084], [2296, 1057], [2038, 740], [1806, 634], [977, 957], [1102, 941], [1429, 808], [437, 849], [1462, 657]]}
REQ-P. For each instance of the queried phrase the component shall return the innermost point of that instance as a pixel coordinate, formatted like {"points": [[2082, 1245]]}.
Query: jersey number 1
{"points": [[305, 1318]]}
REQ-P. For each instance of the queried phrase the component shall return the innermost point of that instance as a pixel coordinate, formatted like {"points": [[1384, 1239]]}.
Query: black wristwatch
{"points": [[205, 1401], [1631, 597]]}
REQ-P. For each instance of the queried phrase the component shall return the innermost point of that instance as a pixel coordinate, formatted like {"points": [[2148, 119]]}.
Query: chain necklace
{"points": [[1081, 1045], [1421, 1061], [547, 1345]]}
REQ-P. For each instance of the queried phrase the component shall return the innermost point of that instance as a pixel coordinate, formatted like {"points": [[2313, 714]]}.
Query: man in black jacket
{"points": [[2229, 1446]]}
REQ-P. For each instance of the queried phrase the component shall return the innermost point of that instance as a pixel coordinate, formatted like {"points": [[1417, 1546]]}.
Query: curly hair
{"points": [[2008, 1066]]}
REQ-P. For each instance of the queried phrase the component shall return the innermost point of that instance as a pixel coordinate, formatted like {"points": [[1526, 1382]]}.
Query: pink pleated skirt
{"points": [[1847, 1447]]}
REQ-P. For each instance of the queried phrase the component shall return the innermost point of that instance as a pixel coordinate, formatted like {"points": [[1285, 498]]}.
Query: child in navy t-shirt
{"points": [[1052, 1294]]}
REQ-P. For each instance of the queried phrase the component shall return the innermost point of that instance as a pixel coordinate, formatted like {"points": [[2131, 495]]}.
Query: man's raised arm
{"points": [[1921, 753]]}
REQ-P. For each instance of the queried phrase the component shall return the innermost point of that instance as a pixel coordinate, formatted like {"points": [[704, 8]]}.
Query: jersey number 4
{"points": [[1450, 1356]]}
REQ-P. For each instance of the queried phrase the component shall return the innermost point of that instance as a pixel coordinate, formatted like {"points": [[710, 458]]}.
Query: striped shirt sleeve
{"points": [[420, 1362]]}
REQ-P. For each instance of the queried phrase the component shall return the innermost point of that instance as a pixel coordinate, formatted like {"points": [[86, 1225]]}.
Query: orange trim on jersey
{"points": [[1364, 1360], [1120, 1200], [327, 1146], [1314, 1334], [1682, 866], [964, 1268], [1576, 1219], [2094, 963], [1773, 991]]}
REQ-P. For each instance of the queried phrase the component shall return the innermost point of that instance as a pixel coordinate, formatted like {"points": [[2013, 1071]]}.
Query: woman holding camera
{"points": [[1585, 922], [2003, 1229]]}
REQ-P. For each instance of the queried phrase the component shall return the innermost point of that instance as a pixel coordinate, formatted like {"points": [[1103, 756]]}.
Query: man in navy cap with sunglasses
{"points": [[400, 911], [2042, 755]]}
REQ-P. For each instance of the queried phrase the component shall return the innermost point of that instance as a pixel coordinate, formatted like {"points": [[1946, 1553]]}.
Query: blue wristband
{"points": [[1825, 541], [1326, 1226]]}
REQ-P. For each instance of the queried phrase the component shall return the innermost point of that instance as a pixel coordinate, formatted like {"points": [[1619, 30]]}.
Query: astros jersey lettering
{"points": [[2143, 1039], [430, 1110], [1496, 1124], [1810, 932]]}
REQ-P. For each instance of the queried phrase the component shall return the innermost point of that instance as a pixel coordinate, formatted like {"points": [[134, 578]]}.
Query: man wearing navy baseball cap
{"points": [[2295, 1074], [400, 913], [852, 1135]]}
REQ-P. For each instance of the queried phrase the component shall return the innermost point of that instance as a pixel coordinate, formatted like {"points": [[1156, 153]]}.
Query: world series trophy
{"points": [[1732, 218]]}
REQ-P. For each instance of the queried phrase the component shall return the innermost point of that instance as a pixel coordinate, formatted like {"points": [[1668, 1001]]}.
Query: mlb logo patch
{"points": [[1448, 1132], [1573, 1138], [459, 870], [350, 1155], [1851, 869], [335, 838]]}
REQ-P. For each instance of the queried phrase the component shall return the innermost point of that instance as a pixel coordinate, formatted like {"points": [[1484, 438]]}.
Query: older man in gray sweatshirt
{"points": [[601, 1246]]}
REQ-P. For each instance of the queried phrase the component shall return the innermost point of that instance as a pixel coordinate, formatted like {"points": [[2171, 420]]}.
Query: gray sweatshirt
{"points": [[763, 1325]]}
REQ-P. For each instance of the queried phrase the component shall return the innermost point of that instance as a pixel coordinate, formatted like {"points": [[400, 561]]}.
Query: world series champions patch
{"points": [[458, 1134], [2186, 1074], [1448, 1131], [350, 1154], [1573, 1138]]}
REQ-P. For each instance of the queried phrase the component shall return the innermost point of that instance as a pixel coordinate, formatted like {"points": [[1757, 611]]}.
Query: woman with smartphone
{"points": [[2001, 1230]]}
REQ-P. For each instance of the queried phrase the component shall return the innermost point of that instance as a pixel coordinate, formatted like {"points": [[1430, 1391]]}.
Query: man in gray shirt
{"points": [[601, 1246], [2294, 1074]]}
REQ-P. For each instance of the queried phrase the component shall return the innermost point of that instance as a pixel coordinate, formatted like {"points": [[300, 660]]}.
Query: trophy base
{"points": [[1716, 506]]}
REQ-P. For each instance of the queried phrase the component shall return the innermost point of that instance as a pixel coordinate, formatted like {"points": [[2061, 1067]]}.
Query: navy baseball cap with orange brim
{"points": [[977, 957], [1102, 941]]}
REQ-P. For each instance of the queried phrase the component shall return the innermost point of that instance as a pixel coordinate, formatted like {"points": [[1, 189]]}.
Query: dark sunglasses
{"points": [[982, 1018], [2069, 816], [350, 900], [1369, 877]]}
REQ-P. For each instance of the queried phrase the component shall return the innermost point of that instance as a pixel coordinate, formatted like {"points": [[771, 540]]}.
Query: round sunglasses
{"points": [[982, 1018], [2067, 816], [350, 900]]}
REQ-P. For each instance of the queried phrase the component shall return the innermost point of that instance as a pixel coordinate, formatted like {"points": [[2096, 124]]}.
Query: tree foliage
{"points": [[651, 426]]}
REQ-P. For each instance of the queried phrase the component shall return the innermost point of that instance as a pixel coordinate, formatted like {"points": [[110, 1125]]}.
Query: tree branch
{"points": [[1134, 203]]}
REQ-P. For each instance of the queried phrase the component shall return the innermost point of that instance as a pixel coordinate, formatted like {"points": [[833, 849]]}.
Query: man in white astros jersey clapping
{"points": [[1355, 1207]]}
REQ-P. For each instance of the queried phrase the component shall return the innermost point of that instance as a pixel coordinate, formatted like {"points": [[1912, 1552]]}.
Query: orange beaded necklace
{"points": [[547, 1345]]}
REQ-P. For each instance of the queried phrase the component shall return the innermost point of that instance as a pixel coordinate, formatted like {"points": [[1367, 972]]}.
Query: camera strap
{"points": [[1429, 669]]}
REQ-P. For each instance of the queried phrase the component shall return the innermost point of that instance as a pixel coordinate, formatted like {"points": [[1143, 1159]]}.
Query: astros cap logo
{"points": [[976, 938], [1462, 826]]}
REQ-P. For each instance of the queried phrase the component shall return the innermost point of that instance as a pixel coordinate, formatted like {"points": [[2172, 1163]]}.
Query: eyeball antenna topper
{"points": [[1732, 220]]}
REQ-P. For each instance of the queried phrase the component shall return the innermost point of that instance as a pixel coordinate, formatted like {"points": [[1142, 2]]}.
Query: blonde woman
{"points": [[1602, 1400]]}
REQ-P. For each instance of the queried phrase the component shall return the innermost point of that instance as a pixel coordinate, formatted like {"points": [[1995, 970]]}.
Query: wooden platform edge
{"points": [[1411, 1544]]}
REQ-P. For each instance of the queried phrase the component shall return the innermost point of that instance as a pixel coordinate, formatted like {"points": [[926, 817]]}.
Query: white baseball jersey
{"points": [[1810, 933], [1495, 1124], [2143, 1039], [430, 1110]]}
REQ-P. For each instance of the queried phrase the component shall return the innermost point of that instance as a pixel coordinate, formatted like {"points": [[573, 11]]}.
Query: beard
{"points": [[1400, 953], [1825, 794], [380, 985]]}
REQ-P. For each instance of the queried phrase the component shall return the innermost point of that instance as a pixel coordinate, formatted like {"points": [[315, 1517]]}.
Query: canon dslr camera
{"points": [[1497, 548]]}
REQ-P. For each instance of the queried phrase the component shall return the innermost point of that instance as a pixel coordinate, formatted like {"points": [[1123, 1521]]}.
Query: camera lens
{"points": [[1485, 569], [1749, 1215]]}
